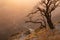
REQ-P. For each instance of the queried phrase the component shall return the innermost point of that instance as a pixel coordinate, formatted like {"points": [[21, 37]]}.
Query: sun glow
{"points": [[15, 9]]}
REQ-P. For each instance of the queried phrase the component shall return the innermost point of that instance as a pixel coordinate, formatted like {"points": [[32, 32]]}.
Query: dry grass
{"points": [[44, 34]]}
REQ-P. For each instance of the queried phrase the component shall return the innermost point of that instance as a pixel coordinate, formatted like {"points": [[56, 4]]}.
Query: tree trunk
{"points": [[50, 24]]}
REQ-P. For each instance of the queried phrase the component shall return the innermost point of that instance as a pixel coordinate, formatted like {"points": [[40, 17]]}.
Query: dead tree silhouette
{"points": [[45, 8]]}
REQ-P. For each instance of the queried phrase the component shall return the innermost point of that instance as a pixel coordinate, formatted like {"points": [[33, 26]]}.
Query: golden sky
{"points": [[15, 7], [12, 12]]}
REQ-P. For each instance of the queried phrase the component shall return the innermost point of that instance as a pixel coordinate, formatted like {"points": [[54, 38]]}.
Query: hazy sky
{"points": [[13, 11]]}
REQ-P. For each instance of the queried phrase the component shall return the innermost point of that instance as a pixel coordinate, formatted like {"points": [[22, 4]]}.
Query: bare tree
{"points": [[45, 8]]}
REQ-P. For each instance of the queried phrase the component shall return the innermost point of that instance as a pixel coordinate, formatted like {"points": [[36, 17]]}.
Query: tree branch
{"points": [[32, 13], [32, 22]]}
